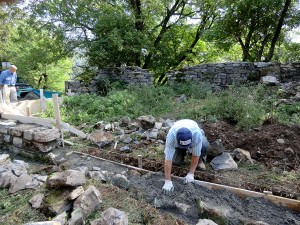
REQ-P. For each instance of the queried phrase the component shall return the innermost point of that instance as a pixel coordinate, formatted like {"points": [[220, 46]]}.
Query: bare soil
{"points": [[275, 168]]}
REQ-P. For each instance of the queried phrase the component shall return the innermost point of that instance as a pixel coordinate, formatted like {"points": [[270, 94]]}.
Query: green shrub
{"points": [[288, 114], [245, 106]]}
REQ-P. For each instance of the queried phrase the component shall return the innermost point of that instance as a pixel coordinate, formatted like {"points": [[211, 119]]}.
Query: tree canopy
{"points": [[152, 34]]}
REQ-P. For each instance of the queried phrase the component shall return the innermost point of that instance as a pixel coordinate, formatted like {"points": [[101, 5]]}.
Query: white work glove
{"points": [[168, 187], [189, 178]]}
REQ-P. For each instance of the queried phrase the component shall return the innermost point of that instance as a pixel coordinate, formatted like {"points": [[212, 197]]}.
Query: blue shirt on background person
{"points": [[8, 77]]}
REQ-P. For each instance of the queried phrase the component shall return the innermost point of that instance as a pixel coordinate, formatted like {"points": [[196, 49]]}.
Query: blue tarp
{"points": [[47, 94], [25, 91]]}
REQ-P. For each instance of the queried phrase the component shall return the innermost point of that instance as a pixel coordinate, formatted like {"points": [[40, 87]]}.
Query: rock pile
{"points": [[75, 197], [146, 129], [28, 139]]}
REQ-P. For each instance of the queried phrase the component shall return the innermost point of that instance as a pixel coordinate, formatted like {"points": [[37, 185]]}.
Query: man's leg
{"points": [[204, 149], [203, 155], [13, 94], [178, 157]]}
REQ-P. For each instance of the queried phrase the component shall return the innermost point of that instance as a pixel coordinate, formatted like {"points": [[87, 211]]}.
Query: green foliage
{"points": [[244, 106], [14, 209], [288, 114], [235, 105]]}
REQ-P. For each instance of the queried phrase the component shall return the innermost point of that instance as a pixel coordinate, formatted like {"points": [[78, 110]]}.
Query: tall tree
{"points": [[256, 25], [151, 34]]}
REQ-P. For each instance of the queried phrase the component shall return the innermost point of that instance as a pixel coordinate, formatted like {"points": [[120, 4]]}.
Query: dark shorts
{"points": [[179, 154]]}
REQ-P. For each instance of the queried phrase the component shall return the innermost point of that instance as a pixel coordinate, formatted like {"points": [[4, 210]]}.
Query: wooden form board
{"points": [[242, 193]]}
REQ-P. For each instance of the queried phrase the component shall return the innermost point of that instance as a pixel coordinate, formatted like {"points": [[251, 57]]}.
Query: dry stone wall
{"points": [[28, 139], [220, 74]]}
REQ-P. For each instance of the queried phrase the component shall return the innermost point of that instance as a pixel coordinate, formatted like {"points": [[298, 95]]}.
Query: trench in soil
{"points": [[156, 166]]}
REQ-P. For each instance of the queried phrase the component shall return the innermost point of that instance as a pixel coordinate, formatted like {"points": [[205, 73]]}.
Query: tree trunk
{"points": [[278, 30]]}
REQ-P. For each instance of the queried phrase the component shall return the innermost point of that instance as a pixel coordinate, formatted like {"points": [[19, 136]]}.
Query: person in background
{"points": [[9, 78], [185, 135]]}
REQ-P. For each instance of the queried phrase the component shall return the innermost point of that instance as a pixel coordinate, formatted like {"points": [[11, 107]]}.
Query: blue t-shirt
{"points": [[8, 78]]}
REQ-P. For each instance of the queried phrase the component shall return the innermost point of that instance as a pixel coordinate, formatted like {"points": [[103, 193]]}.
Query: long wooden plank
{"points": [[26, 119], [73, 130]]}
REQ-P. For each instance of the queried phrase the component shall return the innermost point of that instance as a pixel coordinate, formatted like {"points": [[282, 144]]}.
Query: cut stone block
{"points": [[18, 142], [46, 135], [18, 131], [5, 125], [28, 134]]}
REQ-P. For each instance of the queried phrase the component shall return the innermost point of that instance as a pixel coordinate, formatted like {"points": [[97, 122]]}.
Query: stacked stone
{"points": [[130, 75], [220, 74], [27, 137]]}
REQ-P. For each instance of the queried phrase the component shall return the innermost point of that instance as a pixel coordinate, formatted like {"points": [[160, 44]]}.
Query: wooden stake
{"points": [[1, 98], [28, 111], [140, 162], [42, 100], [57, 116]]}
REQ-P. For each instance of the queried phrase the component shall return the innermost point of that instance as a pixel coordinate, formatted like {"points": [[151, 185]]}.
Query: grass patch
{"points": [[15, 209]]}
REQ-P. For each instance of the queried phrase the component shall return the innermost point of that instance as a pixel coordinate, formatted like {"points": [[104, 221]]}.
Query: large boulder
{"points": [[89, 201], [101, 138], [223, 162], [112, 216], [69, 178], [146, 122]]}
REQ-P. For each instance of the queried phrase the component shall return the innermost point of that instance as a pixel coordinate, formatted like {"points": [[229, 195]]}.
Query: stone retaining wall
{"points": [[217, 73], [27, 138]]}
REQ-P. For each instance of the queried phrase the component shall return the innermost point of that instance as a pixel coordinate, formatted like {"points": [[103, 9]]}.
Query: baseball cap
{"points": [[184, 138]]}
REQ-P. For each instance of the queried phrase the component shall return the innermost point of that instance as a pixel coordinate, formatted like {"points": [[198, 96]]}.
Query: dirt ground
{"points": [[275, 169], [229, 208], [274, 148]]}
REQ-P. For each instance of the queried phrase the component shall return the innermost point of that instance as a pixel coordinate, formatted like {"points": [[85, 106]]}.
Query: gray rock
{"points": [[183, 207], [89, 201], [59, 207], [39, 178], [125, 149], [167, 123], [280, 141], [44, 223], [95, 168], [125, 121], [97, 175], [5, 125], [61, 218], [101, 138], [3, 158], [146, 122], [42, 147], [76, 217], [18, 142], [37, 201], [269, 80], [46, 135], [70, 178], [19, 183], [206, 222], [19, 167], [7, 178], [223, 162], [289, 151], [120, 181], [76, 193], [17, 131], [34, 184], [7, 138], [242, 155], [112, 216], [28, 134], [216, 148]]}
